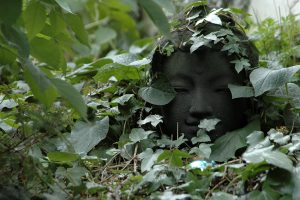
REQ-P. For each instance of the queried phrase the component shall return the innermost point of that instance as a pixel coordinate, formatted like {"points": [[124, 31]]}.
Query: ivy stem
{"points": [[232, 181]]}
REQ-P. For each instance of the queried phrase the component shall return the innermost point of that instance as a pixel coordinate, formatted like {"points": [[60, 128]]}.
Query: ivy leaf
{"points": [[153, 119], [224, 147], [264, 79], [174, 157], [241, 64], [74, 174], [208, 124], [148, 158], [275, 157], [255, 138], [212, 18], [238, 91], [203, 150], [122, 99], [223, 196], [201, 137], [296, 180], [34, 18], [68, 92], [157, 16], [10, 11], [198, 42], [159, 93], [138, 134], [40, 85], [56, 156], [86, 135]]}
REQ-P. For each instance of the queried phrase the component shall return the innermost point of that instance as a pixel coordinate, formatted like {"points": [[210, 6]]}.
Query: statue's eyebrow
{"points": [[180, 78]]}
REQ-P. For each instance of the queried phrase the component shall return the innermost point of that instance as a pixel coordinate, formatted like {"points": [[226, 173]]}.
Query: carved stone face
{"points": [[201, 81]]}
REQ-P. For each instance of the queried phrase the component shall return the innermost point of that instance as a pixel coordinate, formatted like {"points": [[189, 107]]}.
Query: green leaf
{"points": [[74, 97], [17, 39], [167, 5], [10, 11], [174, 157], [57, 23], [198, 42], [76, 24], [203, 151], [41, 48], [208, 124], [124, 59], [296, 181], [120, 72], [86, 135], [157, 16], [275, 157], [74, 174], [7, 56], [241, 64], [223, 196], [57, 156], [138, 134], [34, 18], [148, 158], [238, 91], [159, 93], [211, 17], [153, 119], [40, 85], [264, 79], [64, 5], [201, 137], [122, 99], [104, 35], [262, 195], [224, 147], [255, 138]]}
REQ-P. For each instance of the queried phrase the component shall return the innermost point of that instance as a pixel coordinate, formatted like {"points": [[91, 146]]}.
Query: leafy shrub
{"points": [[76, 118]]}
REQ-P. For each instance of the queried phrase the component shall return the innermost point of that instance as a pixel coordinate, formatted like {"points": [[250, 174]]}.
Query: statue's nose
{"points": [[200, 106]]}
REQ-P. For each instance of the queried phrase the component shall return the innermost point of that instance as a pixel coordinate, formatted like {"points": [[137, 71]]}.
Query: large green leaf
{"points": [[64, 5], [86, 135], [224, 147], [40, 85], [238, 91], [120, 72], [264, 79], [273, 157], [157, 16], [105, 34], [67, 91], [7, 56], [159, 93], [296, 180], [167, 5], [34, 18], [10, 11], [76, 24], [48, 51], [17, 39]]}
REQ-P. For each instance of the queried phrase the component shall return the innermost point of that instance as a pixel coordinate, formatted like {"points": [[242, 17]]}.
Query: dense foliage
{"points": [[76, 117]]}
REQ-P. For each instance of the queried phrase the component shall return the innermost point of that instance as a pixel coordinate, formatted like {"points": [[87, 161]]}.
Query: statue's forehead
{"points": [[205, 64]]}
